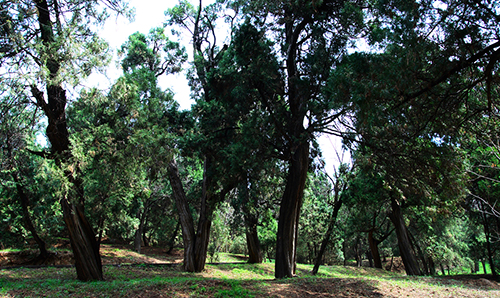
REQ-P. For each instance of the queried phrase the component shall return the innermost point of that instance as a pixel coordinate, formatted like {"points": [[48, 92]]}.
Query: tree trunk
{"points": [[251, 222], [286, 243], [171, 242], [421, 256], [370, 258], [253, 245], [83, 242], [100, 229], [329, 231], [357, 253], [140, 229], [373, 243], [432, 266], [404, 243], [185, 218], [82, 237], [195, 245], [486, 228], [344, 251], [23, 199]]}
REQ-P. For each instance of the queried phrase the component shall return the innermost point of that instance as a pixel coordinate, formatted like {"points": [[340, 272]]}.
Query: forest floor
{"points": [[153, 273]]}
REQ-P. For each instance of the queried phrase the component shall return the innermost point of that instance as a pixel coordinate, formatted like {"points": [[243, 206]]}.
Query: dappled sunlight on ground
{"points": [[156, 274]]}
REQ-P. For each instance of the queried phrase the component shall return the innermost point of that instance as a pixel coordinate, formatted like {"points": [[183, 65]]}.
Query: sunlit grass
{"points": [[223, 280]]}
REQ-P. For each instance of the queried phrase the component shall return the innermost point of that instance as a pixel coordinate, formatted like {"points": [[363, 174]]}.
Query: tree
{"points": [[412, 99], [287, 86], [50, 47], [340, 183], [130, 133], [17, 168]]}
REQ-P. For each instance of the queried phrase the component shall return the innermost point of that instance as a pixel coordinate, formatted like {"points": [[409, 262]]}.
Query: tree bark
{"points": [[185, 218], [251, 222], [171, 242], [329, 231], [83, 242], [420, 255], [138, 236], [195, 245], [373, 243], [253, 245], [291, 203], [82, 237], [432, 266], [23, 199], [404, 243]]}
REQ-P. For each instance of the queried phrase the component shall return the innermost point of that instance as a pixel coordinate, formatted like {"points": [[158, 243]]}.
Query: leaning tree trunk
{"points": [[195, 245], [404, 243], [329, 231], [82, 237], [171, 242], [23, 199], [185, 217], [83, 242], [286, 243]]}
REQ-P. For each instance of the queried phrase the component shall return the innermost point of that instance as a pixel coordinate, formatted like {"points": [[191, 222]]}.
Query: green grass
{"points": [[229, 280]]}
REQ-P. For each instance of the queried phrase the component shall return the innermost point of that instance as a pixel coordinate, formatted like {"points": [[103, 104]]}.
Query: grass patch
{"points": [[236, 280]]}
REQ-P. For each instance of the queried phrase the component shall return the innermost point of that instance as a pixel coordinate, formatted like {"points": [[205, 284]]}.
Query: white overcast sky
{"points": [[150, 14]]}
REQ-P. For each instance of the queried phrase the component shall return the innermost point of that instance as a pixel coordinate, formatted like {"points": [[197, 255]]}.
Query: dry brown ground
{"points": [[111, 254]]}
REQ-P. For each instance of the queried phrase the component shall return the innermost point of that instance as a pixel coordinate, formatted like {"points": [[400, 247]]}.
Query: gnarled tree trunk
{"points": [[82, 237]]}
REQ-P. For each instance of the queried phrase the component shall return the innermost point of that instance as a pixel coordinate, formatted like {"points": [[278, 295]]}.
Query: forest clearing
{"points": [[409, 90], [155, 274]]}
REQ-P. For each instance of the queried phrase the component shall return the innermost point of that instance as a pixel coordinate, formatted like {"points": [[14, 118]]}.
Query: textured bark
{"points": [[185, 218], [421, 255], [171, 242], [195, 244], [289, 213], [404, 243], [82, 237], [83, 242]]}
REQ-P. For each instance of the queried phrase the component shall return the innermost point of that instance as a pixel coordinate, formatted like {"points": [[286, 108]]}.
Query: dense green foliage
{"points": [[242, 171]]}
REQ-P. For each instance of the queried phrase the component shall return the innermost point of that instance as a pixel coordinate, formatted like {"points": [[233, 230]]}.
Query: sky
{"points": [[150, 14]]}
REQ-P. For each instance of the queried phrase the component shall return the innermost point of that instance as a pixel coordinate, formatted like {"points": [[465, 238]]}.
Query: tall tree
{"points": [[308, 37], [49, 45]]}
